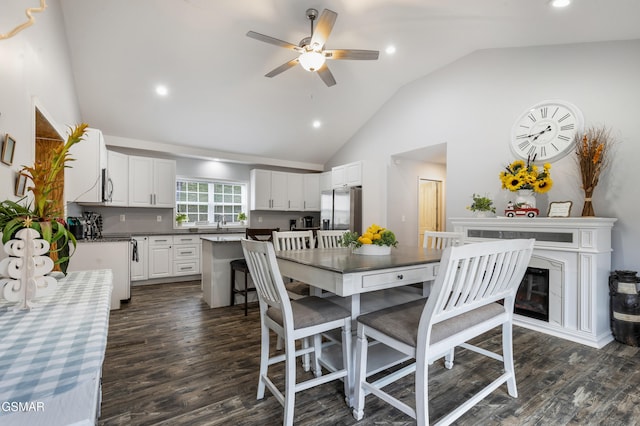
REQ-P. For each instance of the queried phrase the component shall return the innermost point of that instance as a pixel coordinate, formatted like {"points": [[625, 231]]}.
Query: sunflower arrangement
{"points": [[375, 235], [526, 175]]}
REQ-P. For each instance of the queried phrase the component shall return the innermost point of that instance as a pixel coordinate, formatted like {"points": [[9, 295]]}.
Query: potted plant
{"points": [[40, 213], [375, 241], [482, 206], [242, 217], [181, 218]]}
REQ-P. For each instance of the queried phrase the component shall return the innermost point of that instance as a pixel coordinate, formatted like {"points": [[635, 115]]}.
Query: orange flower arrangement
{"points": [[593, 152]]}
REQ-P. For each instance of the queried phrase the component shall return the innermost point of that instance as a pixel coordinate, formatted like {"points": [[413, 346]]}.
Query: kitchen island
{"points": [[217, 251]]}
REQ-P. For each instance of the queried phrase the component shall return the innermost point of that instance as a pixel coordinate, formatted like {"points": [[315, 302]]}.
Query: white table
{"points": [[354, 277], [345, 274], [51, 356]]}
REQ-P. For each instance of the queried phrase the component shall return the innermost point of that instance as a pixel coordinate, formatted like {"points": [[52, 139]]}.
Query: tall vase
{"points": [[526, 198]]}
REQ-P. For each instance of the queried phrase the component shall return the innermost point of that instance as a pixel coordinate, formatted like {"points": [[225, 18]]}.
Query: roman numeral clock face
{"points": [[546, 131]]}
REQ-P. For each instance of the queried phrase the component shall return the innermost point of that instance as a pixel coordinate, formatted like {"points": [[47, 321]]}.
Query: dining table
{"points": [[350, 276], [361, 284]]}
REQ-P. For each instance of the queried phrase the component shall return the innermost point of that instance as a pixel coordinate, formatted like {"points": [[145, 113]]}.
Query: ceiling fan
{"points": [[311, 49]]}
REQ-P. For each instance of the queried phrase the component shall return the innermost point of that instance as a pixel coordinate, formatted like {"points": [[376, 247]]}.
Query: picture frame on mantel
{"points": [[8, 148], [559, 209]]}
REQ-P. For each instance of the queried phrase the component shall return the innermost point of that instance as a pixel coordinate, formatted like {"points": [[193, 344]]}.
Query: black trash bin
{"points": [[624, 305]]}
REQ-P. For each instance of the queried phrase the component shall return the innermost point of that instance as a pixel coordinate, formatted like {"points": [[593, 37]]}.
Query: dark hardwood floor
{"points": [[171, 360]]}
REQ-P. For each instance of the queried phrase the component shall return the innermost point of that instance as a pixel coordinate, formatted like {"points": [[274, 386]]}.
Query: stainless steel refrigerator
{"points": [[342, 209]]}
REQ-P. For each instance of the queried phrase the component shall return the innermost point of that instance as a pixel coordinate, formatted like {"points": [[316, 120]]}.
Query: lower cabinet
{"points": [[186, 255], [139, 260], [112, 255], [164, 256], [160, 256]]}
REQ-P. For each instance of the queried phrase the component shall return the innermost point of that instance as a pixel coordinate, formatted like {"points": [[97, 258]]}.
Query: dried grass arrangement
{"points": [[593, 152]]}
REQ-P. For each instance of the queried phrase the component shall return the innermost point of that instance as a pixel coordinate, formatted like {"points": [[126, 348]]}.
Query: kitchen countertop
{"points": [[224, 238], [107, 239], [200, 231]]}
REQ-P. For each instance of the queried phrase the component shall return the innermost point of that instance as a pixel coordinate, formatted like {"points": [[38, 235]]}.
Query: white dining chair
{"points": [[292, 320], [294, 240], [441, 240], [464, 303], [330, 238]]}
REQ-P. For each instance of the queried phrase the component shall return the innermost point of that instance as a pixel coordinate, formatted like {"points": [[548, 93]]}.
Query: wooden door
{"points": [[429, 207]]}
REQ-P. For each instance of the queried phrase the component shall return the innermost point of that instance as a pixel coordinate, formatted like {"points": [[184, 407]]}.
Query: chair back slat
{"points": [[475, 275], [265, 273], [330, 238], [441, 240], [293, 240]]}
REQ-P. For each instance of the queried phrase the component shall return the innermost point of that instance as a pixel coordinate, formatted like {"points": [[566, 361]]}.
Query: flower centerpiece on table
{"points": [[41, 213], [593, 152], [376, 240]]}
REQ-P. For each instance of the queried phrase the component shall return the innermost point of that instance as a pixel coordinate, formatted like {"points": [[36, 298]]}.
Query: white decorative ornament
{"points": [[24, 272], [546, 131]]}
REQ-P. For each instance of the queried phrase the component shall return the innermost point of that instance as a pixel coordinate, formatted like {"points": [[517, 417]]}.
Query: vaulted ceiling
{"points": [[219, 99]]}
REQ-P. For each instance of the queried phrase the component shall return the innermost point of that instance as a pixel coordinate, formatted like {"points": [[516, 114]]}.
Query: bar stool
{"points": [[240, 265]]}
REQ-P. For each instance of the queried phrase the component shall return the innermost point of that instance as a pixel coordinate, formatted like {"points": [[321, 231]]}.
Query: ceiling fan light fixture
{"points": [[560, 3], [311, 60]]}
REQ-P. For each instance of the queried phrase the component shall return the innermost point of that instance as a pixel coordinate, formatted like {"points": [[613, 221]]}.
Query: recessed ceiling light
{"points": [[162, 90], [560, 3], [316, 124], [391, 49]]}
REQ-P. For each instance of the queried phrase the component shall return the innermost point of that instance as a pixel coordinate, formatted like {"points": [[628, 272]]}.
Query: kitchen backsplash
{"points": [[141, 220]]}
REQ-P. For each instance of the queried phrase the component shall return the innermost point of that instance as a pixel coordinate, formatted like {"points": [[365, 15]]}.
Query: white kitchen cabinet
{"points": [[160, 252], [140, 261], [112, 255], [152, 182], [325, 181], [268, 190], [347, 175], [311, 192], [118, 166], [83, 180], [295, 192], [282, 191], [186, 255]]}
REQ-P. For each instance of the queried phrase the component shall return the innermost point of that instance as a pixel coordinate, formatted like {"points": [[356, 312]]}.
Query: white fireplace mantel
{"points": [[579, 293]]}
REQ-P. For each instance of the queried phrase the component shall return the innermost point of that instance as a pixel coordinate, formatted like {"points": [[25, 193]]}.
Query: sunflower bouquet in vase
{"points": [[527, 179]]}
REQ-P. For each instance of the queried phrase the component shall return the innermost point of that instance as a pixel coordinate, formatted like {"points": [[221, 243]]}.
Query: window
{"points": [[209, 201]]}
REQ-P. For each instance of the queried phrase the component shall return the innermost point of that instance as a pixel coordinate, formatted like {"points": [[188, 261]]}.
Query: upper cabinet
{"points": [[347, 175], [118, 184], [311, 192], [268, 190], [282, 191], [325, 181], [152, 182]]}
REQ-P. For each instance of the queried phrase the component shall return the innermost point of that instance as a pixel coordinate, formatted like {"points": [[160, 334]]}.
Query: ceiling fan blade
{"points": [[326, 75], [351, 54], [324, 27], [272, 40], [282, 68]]}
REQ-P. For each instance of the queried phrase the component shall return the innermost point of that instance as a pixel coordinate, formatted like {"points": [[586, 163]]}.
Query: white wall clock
{"points": [[546, 131]]}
